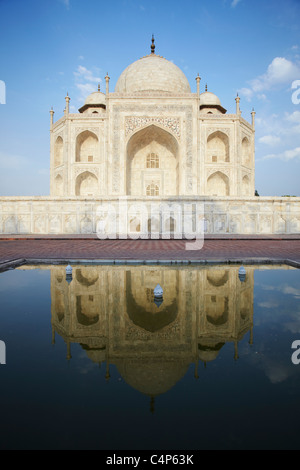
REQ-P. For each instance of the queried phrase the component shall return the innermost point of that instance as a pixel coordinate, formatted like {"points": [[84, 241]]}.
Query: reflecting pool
{"points": [[96, 362]]}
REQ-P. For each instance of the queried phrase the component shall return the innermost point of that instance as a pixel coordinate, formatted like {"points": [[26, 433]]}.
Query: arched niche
{"points": [[217, 149], [87, 277], [246, 157], [86, 185], [217, 310], [58, 151], [246, 187], [218, 278], [218, 185], [58, 186], [152, 159], [87, 147], [87, 309]]}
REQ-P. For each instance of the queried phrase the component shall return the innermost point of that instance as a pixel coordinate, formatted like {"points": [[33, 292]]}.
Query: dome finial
{"points": [[206, 87], [98, 86], [153, 45]]}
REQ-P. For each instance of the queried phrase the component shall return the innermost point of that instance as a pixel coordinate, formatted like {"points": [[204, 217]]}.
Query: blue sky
{"points": [[51, 47]]}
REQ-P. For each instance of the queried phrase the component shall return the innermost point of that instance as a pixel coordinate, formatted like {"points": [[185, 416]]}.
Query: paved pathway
{"points": [[93, 249]]}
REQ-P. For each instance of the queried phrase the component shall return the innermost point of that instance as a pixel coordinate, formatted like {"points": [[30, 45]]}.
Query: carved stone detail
{"points": [[133, 123], [211, 130], [78, 130], [80, 170]]}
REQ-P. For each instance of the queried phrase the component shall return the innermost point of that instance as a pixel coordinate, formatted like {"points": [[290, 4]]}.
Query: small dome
{"points": [[153, 73], [210, 99], [97, 97]]}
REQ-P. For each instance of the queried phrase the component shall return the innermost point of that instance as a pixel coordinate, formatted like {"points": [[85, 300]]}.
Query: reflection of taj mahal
{"points": [[111, 313]]}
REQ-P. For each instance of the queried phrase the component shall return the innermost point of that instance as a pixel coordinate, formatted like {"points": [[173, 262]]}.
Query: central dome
{"points": [[153, 73]]}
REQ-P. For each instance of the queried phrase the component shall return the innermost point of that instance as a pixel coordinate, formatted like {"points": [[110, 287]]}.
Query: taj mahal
{"points": [[152, 137], [151, 140]]}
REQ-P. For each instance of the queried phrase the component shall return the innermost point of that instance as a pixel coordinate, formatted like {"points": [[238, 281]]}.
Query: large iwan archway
{"points": [[152, 163]]}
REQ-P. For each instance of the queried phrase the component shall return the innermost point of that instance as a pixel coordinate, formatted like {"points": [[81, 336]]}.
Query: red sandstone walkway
{"points": [[147, 250]]}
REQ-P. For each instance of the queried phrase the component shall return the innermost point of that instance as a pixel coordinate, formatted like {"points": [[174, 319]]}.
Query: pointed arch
{"points": [[246, 157], [58, 186], [152, 156], [246, 187], [87, 147], [217, 148], [58, 151], [86, 184], [218, 184]]}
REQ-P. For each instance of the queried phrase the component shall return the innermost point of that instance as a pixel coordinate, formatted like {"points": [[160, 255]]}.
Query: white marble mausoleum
{"points": [[151, 141]]}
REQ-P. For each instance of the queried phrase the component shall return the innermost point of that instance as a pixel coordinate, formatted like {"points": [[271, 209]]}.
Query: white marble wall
{"points": [[230, 215]]}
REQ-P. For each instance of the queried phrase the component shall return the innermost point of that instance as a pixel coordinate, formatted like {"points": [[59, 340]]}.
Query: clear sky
{"points": [[51, 47]]}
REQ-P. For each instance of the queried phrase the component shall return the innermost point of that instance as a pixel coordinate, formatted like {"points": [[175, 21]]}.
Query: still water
{"points": [[97, 364]]}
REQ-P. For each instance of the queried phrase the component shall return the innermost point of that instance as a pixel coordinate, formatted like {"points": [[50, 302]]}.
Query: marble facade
{"points": [[151, 140]]}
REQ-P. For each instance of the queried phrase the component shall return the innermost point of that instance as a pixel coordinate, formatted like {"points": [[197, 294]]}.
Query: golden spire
{"points": [[153, 45]]}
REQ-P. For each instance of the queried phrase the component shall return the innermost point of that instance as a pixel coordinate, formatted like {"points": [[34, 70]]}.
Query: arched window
{"points": [[58, 152], [152, 160], [152, 190]]}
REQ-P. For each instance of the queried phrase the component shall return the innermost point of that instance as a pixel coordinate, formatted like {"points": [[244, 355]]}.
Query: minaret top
{"points": [[153, 45]]}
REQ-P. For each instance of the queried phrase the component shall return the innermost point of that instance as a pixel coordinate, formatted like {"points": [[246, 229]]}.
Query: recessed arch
{"points": [[86, 184], [58, 151], [218, 184], [58, 186], [246, 186], [152, 155], [217, 310], [86, 147], [87, 277], [246, 157], [217, 148], [218, 278], [87, 310]]}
